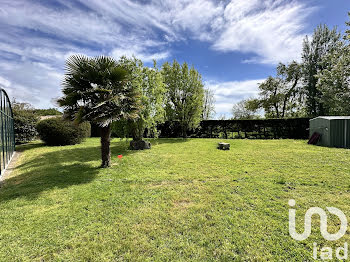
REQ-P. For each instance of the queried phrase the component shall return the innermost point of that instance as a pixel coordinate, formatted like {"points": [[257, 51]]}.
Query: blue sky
{"points": [[233, 44]]}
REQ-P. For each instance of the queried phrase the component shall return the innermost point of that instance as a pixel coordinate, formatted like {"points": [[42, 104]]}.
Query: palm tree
{"points": [[99, 91]]}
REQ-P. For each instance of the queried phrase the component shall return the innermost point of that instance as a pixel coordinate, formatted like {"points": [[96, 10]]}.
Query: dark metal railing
{"points": [[7, 134]]}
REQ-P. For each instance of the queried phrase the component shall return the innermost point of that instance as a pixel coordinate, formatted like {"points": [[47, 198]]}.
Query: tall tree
{"points": [[334, 79], [184, 95], [280, 96], [150, 85], [314, 54], [270, 97], [208, 104], [99, 91], [290, 77]]}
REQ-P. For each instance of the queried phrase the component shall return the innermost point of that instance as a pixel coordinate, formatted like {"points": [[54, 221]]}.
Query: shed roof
{"points": [[333, 117]]}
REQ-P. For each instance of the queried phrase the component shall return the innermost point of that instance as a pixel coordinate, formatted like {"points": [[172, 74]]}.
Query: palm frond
{"points": [[98, 90]]}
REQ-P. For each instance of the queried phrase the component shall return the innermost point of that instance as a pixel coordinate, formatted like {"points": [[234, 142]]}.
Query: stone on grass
{"points": [[224, 146], [140, 145]]}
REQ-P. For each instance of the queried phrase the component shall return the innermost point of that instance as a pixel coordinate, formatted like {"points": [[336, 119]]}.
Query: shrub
{"points": [[59, 132], [85, 129], [25, 121]]}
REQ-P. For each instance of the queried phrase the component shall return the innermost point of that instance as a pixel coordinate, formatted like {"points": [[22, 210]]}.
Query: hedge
{"points": [[293, 128]]}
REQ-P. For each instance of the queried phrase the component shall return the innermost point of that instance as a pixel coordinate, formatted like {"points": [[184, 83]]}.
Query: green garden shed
{"points": [[334, 130]]}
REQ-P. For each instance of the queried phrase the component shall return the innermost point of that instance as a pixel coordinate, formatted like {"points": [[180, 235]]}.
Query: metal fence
{"points": [[7, 135]]}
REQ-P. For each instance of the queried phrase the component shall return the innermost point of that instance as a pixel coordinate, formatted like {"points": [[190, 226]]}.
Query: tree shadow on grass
{"points": [[58, 169], [24, 147]]}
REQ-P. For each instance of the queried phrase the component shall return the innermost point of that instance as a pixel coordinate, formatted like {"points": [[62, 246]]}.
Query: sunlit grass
{"points": [[182, 200]]}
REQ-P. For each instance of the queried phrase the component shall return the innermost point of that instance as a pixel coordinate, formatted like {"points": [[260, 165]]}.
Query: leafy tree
{"points": [[280, 96], [334, 79], [290, 77], [208, 104], [270, 97], [25, 121], [184, 95], [314, 59], [99, 91], [149, 83], [245, 110]]}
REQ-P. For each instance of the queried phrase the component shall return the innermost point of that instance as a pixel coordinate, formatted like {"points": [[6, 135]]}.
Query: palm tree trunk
{"points": [[105, 146]]}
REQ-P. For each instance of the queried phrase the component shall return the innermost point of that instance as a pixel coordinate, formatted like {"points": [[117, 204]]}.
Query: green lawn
{"points": [[183, 200]]}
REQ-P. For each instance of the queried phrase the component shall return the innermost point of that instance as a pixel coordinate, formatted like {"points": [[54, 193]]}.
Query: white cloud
{"points": [[72, 24], [271, 31], [237, 9], [74, 30], [36, 38], [4, 82], [228, 93], [32, 82], [194, 16], [139, 53], [35, 60]]}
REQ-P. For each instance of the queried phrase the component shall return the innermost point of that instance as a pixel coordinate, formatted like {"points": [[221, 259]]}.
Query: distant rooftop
{"points": [[334, 117]]}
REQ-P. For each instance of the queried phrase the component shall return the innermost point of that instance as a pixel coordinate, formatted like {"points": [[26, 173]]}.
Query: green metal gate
{"points": [[7, 134]]}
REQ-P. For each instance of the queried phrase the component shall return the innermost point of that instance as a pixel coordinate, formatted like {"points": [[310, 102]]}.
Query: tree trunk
{"points": [[184, 132], [105, 146], [277, 112]]}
